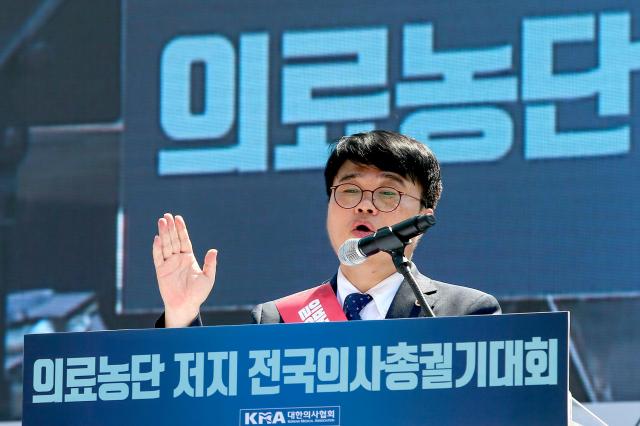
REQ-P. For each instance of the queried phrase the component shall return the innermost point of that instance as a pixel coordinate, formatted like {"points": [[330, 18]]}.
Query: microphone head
{"points": [[349, 254]]}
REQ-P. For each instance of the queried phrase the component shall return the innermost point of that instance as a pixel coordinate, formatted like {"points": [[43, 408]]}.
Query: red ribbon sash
{"points": [[318, 304]]}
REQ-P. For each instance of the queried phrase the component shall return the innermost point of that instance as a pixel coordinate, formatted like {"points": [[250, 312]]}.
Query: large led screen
{"points": [[531, 107]]}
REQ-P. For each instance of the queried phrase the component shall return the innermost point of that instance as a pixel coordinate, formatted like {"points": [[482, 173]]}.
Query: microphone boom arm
{"points": [[391, 240], [387, 241], [402, 265]]}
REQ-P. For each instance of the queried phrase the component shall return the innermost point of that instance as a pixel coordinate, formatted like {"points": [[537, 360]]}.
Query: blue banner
{"points": [[229, 107], [484, 370]]}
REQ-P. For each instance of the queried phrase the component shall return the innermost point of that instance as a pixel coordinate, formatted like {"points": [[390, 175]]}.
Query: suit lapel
{"points": [[404, 303], [334, 284]]}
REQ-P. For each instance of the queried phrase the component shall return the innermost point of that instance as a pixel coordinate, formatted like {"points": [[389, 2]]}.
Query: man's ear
{"points": [[425, 210]]}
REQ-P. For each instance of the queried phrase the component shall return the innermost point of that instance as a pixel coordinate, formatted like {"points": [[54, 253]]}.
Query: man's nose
{"points": [[366, 204]]}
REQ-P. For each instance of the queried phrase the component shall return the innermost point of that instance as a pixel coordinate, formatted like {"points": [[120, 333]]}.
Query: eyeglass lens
{"points": [[349, 195]]}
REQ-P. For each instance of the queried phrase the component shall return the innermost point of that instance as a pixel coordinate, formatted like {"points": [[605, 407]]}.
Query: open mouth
{"points": [[362, 230]]}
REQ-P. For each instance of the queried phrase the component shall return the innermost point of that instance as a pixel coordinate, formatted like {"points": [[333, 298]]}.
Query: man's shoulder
{"points": [[452, 299], [266, 313]]}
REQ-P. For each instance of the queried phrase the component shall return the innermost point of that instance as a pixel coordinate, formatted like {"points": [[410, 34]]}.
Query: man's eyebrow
{"points": [[394, 177], [349, 176], [387, 175]]}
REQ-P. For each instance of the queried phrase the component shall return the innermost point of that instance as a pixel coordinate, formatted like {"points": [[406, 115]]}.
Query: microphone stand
{"points": [[390, 243], [403, 266]]}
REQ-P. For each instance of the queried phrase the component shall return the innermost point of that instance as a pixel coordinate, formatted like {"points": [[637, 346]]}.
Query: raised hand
{"points": [[183, 285]]}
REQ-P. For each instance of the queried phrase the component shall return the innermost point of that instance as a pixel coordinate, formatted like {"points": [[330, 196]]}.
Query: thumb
{"points": [[210, 263]]}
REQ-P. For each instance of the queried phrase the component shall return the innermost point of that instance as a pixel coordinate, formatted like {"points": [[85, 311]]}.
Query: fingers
{"points": [[210, 263], [158, 258], [173, 234], [172, 237], [183, 235], [165, 238]]}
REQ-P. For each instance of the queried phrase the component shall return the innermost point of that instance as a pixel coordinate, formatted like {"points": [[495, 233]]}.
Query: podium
{"points": [[480, 370]]}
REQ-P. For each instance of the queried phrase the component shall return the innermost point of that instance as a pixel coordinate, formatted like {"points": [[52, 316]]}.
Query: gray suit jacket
{"points": [[445, 300]]}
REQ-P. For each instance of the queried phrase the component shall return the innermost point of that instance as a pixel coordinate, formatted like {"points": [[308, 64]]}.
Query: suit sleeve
{"points": [[485, 304], [256, 314], [266, 313], [197, 322]]}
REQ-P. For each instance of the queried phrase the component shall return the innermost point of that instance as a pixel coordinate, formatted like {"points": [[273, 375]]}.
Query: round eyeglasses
{"points": [[384, 198]]}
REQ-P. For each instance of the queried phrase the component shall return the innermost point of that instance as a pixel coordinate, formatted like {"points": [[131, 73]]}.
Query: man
{"points": [[373, 180]]}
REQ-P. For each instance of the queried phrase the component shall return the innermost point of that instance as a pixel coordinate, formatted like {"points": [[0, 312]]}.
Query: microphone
{"points": [[355, 251]]}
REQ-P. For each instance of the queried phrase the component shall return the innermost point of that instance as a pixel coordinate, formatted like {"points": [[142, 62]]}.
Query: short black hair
{"points": [[389, 152]]}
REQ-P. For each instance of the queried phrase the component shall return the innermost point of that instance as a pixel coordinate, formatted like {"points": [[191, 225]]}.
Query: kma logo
{"points": [[263, 417]]}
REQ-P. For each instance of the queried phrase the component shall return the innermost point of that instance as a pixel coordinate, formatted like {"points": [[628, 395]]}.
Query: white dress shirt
{"points": [[382, 293]]}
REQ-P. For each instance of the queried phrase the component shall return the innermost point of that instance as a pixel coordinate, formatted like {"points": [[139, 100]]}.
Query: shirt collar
{"points": [[382, 293]]}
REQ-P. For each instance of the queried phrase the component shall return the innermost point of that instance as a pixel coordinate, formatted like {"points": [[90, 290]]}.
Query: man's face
{"points": [[365, 218]]}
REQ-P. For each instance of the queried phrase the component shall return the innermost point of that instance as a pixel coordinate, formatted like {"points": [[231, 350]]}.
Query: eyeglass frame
{"points": [[362, 191]]}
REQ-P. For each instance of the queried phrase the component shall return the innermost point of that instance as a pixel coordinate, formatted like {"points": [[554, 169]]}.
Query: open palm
{"points": [[184, 286]]}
